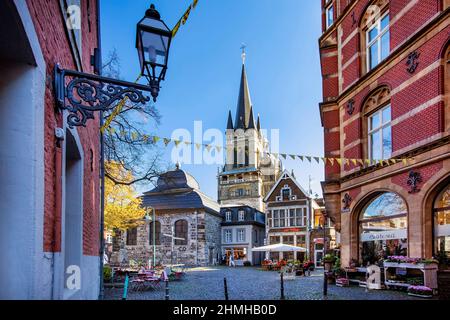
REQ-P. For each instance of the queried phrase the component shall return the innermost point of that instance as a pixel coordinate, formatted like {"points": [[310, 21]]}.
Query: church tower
{"points": [[249, 172]]}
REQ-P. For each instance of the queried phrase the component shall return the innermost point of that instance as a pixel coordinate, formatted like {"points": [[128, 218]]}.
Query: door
{"points": [[318, 257]]}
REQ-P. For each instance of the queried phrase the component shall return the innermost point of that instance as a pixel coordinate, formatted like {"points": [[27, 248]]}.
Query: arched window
{"points": [[377, 125], [181, 231], [383, 225], [447, 87], [155, 233], [442, 222], [375, 35]]}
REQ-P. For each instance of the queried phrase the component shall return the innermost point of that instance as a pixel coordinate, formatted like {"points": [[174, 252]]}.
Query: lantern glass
{"points": [[153, 41]]}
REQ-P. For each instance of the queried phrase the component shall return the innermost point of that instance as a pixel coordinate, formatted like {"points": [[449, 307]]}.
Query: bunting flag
{"points": [[325, 160], [166, 141], [117, 110], [184, 18]]}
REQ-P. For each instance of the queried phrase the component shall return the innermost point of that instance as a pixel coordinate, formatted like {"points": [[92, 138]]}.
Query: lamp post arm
{"points": [[86, 93]]}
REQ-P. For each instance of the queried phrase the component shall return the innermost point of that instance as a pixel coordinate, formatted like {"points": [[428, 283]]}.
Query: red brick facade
{"points": [[55, 43], [419, 110]]}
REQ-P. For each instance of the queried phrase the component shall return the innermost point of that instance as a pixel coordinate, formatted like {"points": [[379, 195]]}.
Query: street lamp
{"points": [[87, 93], [153, 39], [323, 227]]}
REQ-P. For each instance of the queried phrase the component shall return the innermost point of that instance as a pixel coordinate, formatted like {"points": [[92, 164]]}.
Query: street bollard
{"points": [[225, 288], [125, 288], [167, 290], [282, 286]]}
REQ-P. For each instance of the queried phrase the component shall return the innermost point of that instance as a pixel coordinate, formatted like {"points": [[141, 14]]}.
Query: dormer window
{"points": [[228, 216], [241, 215], [329, 15], [286, 193]]}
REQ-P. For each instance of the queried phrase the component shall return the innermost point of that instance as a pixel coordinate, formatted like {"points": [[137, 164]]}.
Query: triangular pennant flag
{"points": [[166, 141], [361, 162], [324, 160], [155, 139], [354, 162], [186, 15], [339, 161], [218, 148], [275, 155], [331, 161], [405, 162], [198, 146], [145, 138], [122, 133], [308, 158], [393, 161], [187, 143], [194, 4], [317, 159], [301, 158], [292, 156], [284, 156], [208, 147], [175, 29], [134, 135], [367, 161], [347, 162], [177, 142], [381, 162]]}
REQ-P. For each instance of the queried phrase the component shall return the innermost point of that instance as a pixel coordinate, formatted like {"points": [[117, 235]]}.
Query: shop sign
{"points": [[384, 235]]}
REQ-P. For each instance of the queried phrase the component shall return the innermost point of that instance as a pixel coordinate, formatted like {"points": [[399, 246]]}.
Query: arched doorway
{"points": [[383, 228], [441, 215]]}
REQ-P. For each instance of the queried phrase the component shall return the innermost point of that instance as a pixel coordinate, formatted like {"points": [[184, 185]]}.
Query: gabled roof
{"points": [[286, 175]]}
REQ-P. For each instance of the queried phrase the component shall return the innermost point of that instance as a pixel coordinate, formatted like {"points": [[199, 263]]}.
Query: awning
{"points": [[279, 247]]}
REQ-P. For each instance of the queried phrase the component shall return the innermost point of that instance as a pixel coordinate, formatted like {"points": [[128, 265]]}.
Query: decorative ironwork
{"points": [[412, 62], [413, 181], [86, 94], [350, 107], [347, 200]]}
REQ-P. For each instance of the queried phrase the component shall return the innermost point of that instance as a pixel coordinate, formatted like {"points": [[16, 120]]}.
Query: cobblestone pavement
{"points": [[253, 284]]}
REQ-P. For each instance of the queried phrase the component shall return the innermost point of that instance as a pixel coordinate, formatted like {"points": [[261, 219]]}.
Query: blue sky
{"points": [[202, 82]]}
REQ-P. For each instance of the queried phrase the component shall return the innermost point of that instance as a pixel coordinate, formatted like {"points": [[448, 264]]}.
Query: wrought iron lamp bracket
{"points": [[86, 93]]}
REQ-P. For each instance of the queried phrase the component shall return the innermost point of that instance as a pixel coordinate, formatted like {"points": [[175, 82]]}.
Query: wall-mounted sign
{"points": [[384, 235]]}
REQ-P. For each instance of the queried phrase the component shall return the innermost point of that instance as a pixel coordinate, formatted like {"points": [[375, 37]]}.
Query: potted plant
{"points": [[328, 261], [420, 291]]}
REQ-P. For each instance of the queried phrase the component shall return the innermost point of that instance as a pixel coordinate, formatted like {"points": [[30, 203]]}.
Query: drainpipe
{"points": [[102, 166], [196, 240]]}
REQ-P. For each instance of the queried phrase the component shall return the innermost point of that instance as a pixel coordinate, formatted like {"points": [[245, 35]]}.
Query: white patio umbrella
{"points": [[279, 247]]}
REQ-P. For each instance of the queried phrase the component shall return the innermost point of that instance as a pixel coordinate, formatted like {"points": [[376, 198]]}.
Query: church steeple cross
{"points": [[243, 55]]}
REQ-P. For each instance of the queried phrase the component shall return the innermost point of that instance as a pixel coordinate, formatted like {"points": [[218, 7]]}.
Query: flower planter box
{"points": [[429, 273]]}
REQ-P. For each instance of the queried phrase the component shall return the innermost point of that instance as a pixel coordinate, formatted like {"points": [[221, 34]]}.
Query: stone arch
{"points": [[433, 186], [376, 99], [373, 10], [358, 206]]}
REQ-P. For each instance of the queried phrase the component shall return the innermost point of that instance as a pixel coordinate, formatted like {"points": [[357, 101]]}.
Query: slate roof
{"points": [[244, 106], [178, 190]]}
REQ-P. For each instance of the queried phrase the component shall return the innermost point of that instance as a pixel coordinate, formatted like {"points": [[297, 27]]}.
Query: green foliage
{"points": [[107, 274], [329, 258]]}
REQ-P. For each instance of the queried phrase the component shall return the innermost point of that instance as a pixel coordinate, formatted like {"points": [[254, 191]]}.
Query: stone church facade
{"points": [[250, 171], [181, 211]]}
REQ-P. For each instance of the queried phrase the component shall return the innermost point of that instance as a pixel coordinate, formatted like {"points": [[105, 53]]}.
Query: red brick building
{"points": [[385, 68], [50, 193]]}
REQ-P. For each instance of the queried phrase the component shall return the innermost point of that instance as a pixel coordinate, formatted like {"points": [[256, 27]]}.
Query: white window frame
{"points": [[228, 216], [240, 235], [380, 128], [327, 11], [241, 215], [377, 40], [228, 236]]}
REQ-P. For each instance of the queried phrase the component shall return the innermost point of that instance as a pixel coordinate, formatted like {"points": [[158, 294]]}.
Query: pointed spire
{"points": [[258, 125], [251, 121], [230, 121], [244, 103]]}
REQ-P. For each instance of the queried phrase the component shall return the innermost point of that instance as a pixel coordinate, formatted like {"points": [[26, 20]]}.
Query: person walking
{"points": [[232, 263]]}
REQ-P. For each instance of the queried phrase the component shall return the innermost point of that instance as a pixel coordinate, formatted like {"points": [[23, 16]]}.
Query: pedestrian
{"points": [[232, 263]]}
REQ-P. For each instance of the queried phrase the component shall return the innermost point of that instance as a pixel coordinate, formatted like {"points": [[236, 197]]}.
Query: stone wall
{"points": [[203, 236]]}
